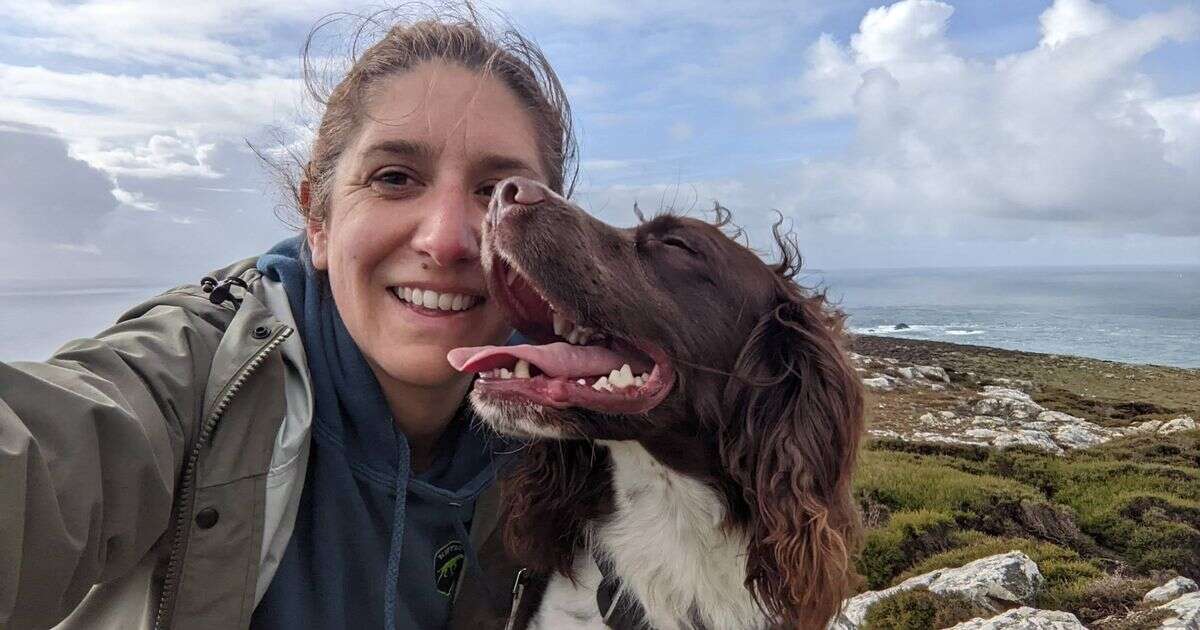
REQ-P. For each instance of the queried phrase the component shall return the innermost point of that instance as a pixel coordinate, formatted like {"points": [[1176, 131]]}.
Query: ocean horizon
{"points": [[1133, 314]]}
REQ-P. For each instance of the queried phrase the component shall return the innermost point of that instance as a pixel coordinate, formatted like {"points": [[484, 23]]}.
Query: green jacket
{"points": [[149, 476]]}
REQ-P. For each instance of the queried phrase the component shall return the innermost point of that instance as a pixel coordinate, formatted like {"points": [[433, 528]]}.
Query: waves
{"points": [[922, 331]]}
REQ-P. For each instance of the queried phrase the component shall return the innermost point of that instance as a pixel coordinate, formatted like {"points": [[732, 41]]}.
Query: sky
{"points": [[914, 134]]}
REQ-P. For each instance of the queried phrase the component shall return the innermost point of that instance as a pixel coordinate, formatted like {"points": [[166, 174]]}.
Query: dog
{"points": [[693, 421]]}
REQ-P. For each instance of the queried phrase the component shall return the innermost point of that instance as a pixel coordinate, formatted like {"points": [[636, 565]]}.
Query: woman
{"points": [[286, 446]]}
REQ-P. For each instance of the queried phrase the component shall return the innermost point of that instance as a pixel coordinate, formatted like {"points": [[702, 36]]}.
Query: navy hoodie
{"points": [[374, 545]]}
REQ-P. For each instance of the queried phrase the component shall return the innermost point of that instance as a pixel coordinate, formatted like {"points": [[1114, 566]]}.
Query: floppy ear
{"points": [[549, 495], [793, 422]]}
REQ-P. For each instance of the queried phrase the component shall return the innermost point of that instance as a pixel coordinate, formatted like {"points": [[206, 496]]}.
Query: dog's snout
{"points": [[521, 190]]}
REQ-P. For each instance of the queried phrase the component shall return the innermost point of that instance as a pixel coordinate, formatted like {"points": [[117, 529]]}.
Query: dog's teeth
{"points": [[622, 377], [522, 369], [573, 337], [602, 384], [561, 325], [581, 382], [639, 381], [645, 376], [504, 373]]}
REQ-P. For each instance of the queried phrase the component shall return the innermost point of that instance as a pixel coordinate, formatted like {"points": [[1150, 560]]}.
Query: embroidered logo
{"points": [[448, 564]]}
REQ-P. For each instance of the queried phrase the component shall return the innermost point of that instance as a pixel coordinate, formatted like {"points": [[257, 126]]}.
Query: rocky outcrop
{"points": [[1182, 423], [1171, 591], [1185, 612], [994, 583], [1025, 618]]}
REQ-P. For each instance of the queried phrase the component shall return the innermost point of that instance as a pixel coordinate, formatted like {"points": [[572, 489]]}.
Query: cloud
{"points": [[67, 219], [49, 197], [1066, 135]]}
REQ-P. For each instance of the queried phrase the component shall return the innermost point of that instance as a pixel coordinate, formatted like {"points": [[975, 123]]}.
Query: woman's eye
{"points": [[394, 178]]}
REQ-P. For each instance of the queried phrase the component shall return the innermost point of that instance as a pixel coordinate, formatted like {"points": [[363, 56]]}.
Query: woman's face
{"points": [[405, 214]]}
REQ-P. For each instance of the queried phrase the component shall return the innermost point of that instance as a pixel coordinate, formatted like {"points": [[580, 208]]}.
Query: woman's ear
{"points": [[794, 417], [314, 228], [552, 491]]}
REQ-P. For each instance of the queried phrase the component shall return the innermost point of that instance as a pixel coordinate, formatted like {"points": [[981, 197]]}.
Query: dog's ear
{"points": [[549, 495], [793, 419]]}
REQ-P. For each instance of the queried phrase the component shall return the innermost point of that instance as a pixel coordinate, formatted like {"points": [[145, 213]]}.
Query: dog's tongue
{"points": [[555, 359]]}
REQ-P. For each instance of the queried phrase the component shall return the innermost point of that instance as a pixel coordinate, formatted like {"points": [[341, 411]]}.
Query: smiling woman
{"points": [[290, 429]]}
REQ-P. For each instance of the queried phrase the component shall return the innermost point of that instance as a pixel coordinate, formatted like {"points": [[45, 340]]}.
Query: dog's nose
{"points": [[521, 190]]}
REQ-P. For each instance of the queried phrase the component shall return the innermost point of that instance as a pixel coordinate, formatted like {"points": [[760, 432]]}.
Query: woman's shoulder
{"points": [[215, 296]]}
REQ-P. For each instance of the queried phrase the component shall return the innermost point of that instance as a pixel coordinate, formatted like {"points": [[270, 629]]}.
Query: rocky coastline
{"points": [[1006, 489]]}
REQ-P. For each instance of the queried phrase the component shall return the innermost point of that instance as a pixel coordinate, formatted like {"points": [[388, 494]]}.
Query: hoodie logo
{"points": [[448, 564]]}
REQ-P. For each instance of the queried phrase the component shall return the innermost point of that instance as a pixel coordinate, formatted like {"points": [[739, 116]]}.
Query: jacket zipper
{"points": [[517, 592], [183, 503]]}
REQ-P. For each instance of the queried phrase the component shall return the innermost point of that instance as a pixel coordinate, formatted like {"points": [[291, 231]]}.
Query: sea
{"points": [[1148, 315]]}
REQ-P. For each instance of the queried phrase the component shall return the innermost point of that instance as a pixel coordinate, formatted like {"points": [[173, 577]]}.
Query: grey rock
{"points": [[1149, 426], [1186, 611], [1170, 591], [1036, 439], [878, 383], [933, 373], [1025, 618], [1182, 423], [1011, 578], [1074, 436]]}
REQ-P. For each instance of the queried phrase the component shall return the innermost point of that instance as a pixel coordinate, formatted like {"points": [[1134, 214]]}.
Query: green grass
{"points": [[919, 609], [1102, 525]]}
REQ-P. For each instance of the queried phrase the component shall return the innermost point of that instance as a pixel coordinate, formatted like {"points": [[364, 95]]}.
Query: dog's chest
{"points": [[666, 543]]}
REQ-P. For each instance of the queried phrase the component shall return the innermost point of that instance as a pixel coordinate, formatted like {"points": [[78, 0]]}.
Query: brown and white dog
{"points": [[693, 421]]}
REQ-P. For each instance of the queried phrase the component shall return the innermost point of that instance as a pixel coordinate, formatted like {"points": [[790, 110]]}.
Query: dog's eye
{"points": [[675, 241]]}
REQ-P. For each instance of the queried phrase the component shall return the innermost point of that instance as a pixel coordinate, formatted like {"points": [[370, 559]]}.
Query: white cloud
{"points": [[1066, 134]]}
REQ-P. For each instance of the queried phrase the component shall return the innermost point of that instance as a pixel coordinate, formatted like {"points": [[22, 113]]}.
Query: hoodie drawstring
{"points": [[393, 566]]}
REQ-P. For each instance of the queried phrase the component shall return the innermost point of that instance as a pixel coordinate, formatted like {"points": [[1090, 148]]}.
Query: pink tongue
{"points": [[555, 359]]}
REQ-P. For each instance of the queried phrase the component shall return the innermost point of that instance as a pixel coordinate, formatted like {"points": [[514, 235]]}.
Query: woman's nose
{"points": [[450, 232]]}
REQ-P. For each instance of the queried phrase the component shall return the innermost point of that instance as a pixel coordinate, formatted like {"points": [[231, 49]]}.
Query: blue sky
{"points": [[911, 134]]}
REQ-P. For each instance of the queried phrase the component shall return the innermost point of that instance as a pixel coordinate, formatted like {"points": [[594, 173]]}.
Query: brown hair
{"points": [[454, 33]]}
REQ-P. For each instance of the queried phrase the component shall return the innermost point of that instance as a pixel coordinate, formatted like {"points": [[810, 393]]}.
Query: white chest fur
{"points": [[667, 544]]}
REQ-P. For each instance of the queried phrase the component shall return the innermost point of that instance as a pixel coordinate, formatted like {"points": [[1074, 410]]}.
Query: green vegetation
{"points": [[920, 610], [1104, 525]]}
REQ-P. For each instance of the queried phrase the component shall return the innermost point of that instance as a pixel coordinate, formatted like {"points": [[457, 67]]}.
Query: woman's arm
{"points": [[91, 443]]}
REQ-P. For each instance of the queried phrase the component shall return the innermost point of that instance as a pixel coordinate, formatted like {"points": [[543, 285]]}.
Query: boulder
{"points": [[993, 582], [1170, 591], [1025, 618], [933, 373], [1004, 401], [1083, 435], [1026, 437], [1182, 423], [1011, 578], [879, 383], [908, 373], [1149, 426], [1186, 611]]}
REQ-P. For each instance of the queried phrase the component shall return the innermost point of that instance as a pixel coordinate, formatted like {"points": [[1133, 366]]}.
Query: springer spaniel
{"points": [[692, 415]]}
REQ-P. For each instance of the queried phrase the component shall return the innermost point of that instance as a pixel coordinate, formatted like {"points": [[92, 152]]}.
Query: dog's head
{"points": [[673, 334]]}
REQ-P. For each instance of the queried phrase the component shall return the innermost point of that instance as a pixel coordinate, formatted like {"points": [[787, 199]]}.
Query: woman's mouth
{"points": [[434, 303]]}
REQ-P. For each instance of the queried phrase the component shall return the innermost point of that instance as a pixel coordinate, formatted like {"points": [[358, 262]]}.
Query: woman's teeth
{"points": [[435, 300]]}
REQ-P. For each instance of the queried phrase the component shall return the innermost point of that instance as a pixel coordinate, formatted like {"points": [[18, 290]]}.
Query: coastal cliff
{"points": [[1077, 478]]}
